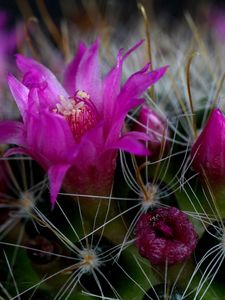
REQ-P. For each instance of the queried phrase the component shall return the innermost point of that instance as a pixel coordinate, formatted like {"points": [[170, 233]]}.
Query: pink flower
{"points": [[155, 127], [165, 235], [75, 132], [208, 152]]}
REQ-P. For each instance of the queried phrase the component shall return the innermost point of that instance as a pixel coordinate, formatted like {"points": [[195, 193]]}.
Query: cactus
{"points": [[111, 187]]}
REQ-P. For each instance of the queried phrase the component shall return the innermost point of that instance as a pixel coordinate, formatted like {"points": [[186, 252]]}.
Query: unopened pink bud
{"points": [[155, 127], [208, 152]]}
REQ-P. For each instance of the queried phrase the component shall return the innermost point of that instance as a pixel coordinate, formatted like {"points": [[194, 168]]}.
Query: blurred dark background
{"points": [[171, 10]]}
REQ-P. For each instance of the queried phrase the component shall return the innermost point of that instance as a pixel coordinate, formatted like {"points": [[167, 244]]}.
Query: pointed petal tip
{"points": [[81, 44], [139, 43], [53, 202], [132, 142], [162, 70], [95, 46], [166, 67], [132, 49], [18, 55], [10, 78], [19, 58], [23, 63], [56, 174], [217, 111], [97, 41], [157, 74]]}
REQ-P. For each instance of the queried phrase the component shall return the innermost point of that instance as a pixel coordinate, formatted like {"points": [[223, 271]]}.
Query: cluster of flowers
{"points": [[76, 130]]}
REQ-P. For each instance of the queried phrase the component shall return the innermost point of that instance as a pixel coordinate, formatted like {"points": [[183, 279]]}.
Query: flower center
{"points": [[79, 111], [162, 229]]}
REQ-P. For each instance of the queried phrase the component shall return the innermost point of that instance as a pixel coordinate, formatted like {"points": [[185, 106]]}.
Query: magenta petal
{"points": [[49, 135], [88, 77], [37, 75], [111, 84], [140, 81], [111, 87], [117, 121], [92, 144], [56, 175], [133, 88], [33, 103], [130, 143], [12, 132], [155, 75], [137, 45], [71, 70], [83, 162], [20, 94]]}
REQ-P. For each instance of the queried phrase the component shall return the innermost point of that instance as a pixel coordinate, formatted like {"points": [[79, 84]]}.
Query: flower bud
{"points": [[208, 151], [155, 127]]}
